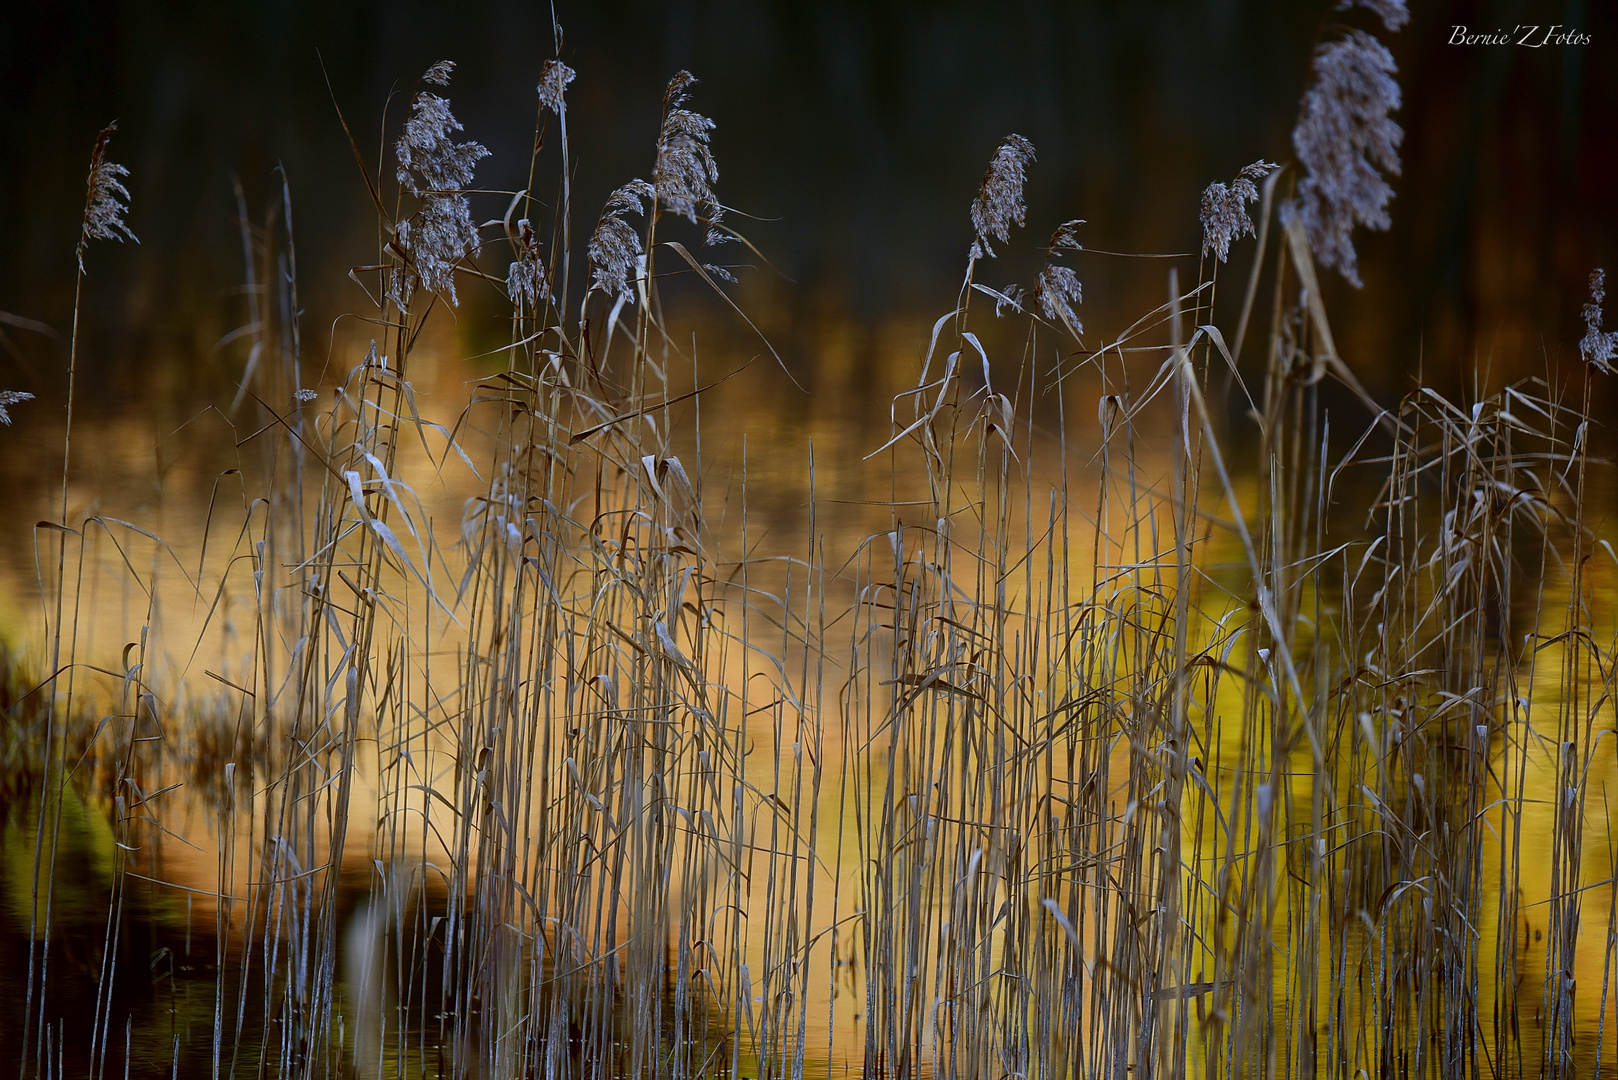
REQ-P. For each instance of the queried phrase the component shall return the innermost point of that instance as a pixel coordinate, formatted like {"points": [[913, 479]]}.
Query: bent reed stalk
{"points": [[1237, 768]]}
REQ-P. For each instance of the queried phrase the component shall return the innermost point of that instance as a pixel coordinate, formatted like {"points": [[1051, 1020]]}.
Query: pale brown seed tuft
{"points": [[106, 200], [999, 203]]}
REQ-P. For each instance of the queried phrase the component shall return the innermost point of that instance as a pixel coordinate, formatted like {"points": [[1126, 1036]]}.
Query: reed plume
{"points": [[437, 169], [525, 280], [685, 171], [999, 202], [1058, 288], [554, 80], [1598, 347], [615, 249], [1224, 209], [1346, 141], [106, 199], [1392, 12], [11, 397]]}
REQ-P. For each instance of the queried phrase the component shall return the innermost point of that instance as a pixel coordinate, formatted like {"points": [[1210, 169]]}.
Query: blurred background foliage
{"points": [[855, 131]]}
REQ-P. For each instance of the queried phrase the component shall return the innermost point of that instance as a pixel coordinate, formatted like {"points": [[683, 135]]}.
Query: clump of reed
{"points": [[1226, 768]]}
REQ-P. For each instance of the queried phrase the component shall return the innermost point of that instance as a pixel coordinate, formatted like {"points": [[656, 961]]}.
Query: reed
{"points": [[1277, 765]]}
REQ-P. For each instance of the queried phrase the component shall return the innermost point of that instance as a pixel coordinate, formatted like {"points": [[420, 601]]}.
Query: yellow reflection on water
{"points": [[167, 565]]}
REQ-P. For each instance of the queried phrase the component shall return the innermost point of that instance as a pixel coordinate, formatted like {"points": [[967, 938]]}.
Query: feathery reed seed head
{"points": [[1346, 140], [999, 203], [106, 200], [678, 89], [525, 281], [1392, 12], [1224, 209], [1598, 347], [553, 83], [1010, 298], [1066, 236], [685, 171], [430, 160], [614, 249], [1057, 288], [433, 166], [11, 397]]}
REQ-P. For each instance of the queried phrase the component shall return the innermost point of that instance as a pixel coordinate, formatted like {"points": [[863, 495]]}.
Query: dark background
{"points": [[858, 131]]}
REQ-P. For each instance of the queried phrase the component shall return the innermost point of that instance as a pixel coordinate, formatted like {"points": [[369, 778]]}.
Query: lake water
{"points": [[889, 791]]}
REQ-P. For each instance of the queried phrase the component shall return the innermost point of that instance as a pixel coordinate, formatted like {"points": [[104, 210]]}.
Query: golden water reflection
{"points": [[184, 594]]}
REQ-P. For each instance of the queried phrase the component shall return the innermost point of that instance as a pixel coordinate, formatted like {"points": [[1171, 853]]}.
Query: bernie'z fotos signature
{"points": [[1530, 37]]}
